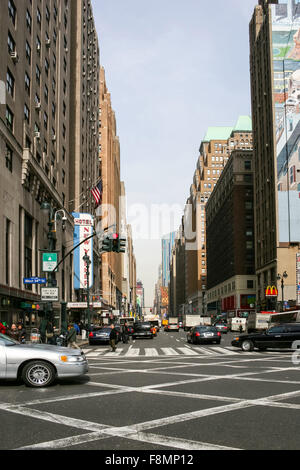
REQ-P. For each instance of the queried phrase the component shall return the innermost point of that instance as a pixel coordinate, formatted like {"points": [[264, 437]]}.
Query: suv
{"points": [[142, 330], [279, 336]]}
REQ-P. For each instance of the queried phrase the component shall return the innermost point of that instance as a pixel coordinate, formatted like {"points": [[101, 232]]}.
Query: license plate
{"points": [[207, 335]]}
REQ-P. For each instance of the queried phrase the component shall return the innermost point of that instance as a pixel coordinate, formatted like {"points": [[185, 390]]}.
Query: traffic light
{"points": [[115, 243], [107, 244], [122, 245]]}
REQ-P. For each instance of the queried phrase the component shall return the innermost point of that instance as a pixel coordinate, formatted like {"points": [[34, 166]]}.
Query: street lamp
{"points": [[88, 262], [282, 277]]}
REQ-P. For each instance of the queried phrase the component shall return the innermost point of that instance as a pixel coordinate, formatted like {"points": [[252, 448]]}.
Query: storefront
{"points": [[17, 305]]}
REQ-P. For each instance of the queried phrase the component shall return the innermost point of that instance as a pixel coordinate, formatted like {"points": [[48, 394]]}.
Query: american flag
{"points": [[97, 193]]}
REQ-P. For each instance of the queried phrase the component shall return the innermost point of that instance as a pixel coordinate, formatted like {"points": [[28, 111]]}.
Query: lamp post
{"points": [[282, 277], [87, 261]]}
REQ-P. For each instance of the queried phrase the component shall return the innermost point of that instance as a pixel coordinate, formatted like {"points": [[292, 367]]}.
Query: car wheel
{"points": [[38, 374], [247, 345]]}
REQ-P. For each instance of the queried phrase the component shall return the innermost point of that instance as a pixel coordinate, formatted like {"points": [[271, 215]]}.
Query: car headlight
{"points": [[72, 358]]}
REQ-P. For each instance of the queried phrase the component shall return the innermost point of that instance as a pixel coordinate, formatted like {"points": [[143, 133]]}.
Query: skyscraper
{"points": [[275, 73]]}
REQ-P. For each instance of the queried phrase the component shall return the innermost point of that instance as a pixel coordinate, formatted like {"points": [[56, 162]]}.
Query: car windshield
{"points": [[142, 325], [6, 341]]}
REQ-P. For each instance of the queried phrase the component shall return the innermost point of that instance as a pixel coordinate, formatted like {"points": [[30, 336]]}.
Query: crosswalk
{"points": [[132, 352]]}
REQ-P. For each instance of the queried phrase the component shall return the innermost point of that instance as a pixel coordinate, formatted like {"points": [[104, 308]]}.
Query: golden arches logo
{"points": [[271, 291]]}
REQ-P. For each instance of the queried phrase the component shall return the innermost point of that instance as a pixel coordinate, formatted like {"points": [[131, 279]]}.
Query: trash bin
{"points": [[35, 336]]}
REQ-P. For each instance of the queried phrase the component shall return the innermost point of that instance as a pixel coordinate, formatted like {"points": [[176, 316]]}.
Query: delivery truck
{"points": [[189, 321]]}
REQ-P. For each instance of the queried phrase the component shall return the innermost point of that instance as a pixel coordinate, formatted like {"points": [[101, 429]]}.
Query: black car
{"points": [[204, 334], [280, 336], [142, 330], [100, 335]]}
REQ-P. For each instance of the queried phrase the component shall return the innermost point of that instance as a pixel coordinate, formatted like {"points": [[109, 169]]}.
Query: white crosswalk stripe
{"points": [[170, 352], [151, 352], [188, 351], [209, 351], [133, 352]]}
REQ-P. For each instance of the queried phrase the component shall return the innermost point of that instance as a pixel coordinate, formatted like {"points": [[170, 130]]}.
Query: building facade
{"points": [[275, 68], [231, 279], [215, 150]]}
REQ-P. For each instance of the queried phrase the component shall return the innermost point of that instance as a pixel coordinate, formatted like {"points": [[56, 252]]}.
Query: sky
{"points": [[173, 69]]}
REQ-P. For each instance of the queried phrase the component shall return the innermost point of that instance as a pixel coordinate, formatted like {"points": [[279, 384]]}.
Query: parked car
{"points": [[204, 334], [142, 330], [38, 365], [222, 327], [281, 336], [100, 335]]}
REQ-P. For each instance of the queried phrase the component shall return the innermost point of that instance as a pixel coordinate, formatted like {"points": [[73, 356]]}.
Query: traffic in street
{"points": [[160, 393]]}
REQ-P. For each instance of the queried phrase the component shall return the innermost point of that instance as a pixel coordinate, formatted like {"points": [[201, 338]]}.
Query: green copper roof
{"points": [[217, 133], [244, 123]]}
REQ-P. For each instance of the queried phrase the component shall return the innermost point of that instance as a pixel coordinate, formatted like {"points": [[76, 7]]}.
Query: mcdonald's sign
{"points": [[271, 291]]}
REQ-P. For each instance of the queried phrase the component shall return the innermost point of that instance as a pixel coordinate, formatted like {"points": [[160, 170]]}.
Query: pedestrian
{"points": [[71, 337], [77, 328], [125, 333], [13, 332], [49, 333], [22, 333], [113, 338], [3, 328]]}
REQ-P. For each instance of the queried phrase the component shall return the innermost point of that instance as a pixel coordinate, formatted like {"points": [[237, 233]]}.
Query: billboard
{"points": [[286, 82], [83, 229]]}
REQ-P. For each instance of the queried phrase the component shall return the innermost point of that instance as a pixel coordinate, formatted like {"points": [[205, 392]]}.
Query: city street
{"points": [[161, 395]]}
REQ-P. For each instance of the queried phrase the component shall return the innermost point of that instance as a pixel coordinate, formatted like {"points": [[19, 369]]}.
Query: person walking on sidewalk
{"points": [[113, 338], [71, 337]]}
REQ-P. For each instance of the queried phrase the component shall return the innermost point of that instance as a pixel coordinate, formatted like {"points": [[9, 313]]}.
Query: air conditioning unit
{"points": [[37, 135], [14, 56], [38, 105], [48, 42], [53, 138]]}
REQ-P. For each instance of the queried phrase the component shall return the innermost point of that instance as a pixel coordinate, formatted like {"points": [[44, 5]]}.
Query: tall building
{"points": [[215, 150], [167, 244], [231, 280], [275, 71], [49, 59], [111, 197]]}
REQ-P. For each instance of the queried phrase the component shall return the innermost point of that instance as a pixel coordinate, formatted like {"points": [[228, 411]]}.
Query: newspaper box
{"points": [[35, 336]]}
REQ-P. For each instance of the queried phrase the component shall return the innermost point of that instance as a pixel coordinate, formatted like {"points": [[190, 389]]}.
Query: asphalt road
{"points": [[161, 395]]}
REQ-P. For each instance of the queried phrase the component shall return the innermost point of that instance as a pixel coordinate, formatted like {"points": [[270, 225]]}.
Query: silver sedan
{"points": [[38, 365]]}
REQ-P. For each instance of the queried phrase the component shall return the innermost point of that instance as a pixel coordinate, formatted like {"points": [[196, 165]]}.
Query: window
{"points": [[9, 158], [10, 83], [9, 119], [11, 44], [12, 12], [47, 67], [250, 284], [28, 21], [28, 52], [26, 113], [7, 252], [38, 74], [38, 16], [27, 83]]}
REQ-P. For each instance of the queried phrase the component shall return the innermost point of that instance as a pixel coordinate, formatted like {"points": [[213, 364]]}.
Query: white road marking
{"points": [[188, 351], [133, 352], [113, 354], [170, 352], [151, 352]]}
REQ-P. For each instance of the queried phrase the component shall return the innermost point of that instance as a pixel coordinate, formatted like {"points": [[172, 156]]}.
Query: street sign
{"points": [[49, 294], [35, 280], [49, 262]]}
